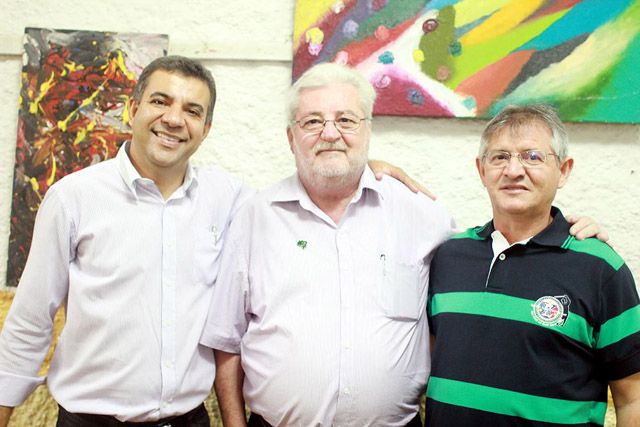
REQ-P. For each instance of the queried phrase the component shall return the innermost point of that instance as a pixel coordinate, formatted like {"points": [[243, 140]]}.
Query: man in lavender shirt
{"points": [[323, 283]]}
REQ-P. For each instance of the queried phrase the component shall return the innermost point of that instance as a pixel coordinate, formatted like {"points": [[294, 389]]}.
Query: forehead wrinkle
{"points": [[336, 113], [517, 128], [343, 95]]}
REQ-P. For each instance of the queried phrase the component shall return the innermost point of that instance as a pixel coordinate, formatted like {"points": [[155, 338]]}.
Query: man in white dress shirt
{"points": [[319, 307], [130, 246]]}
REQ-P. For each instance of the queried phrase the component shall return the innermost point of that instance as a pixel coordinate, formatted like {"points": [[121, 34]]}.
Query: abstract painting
{"points": [[469, 58], [72, 113]]}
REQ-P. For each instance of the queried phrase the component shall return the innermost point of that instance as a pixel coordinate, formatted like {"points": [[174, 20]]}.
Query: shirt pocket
{"points": [[206, 253], [400, 290]]}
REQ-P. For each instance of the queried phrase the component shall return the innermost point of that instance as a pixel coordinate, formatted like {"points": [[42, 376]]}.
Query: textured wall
{"points": [[247, 46]]}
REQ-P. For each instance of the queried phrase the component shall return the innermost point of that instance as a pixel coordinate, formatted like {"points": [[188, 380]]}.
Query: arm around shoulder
{"points": [[626, 399], [228, 385], [381, 168]]}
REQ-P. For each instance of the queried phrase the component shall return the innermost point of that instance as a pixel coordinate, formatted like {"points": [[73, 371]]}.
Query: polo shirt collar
{"points": [[555, 234]]}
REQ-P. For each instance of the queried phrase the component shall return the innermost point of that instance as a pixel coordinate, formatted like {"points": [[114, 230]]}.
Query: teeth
{"points": [[168, 137]]}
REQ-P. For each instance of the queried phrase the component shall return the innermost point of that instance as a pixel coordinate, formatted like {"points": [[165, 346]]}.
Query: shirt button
{"points": [[502, 257], [346, 391]]}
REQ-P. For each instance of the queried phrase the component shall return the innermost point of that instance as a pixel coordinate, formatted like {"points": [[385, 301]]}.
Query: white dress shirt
{"points": [[329, 318], [136, 274]]}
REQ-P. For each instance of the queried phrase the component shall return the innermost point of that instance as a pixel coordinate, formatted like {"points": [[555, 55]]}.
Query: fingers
{"points": [[381, 169], [585, 227], [421, 188]]}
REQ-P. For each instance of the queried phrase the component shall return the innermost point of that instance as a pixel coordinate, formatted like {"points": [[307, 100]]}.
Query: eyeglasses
{"points": [[499, 158], [345, 123]]}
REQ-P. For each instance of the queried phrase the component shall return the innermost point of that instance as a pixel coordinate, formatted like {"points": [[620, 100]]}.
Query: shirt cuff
{"points": [[14, 389], [228, 345]]}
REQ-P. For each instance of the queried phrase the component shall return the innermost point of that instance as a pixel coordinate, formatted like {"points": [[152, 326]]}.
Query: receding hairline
{"points": [[517, 116], [515, 127], [355, 88], [323, 74]]}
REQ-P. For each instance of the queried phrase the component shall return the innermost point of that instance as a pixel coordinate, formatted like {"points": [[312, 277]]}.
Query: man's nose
{"points": [[514, 167], [173, 116], [330, 132]]}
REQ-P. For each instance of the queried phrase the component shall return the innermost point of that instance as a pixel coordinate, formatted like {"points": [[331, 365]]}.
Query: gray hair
{"points": [[181, 65], [515, 117], [330, 73]]}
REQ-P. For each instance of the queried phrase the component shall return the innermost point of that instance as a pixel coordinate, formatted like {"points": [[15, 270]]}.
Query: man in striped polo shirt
{"points": [[530, 324]]}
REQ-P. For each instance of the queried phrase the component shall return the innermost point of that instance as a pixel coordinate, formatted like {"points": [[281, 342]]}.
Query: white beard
{"points": [[338, 173]]}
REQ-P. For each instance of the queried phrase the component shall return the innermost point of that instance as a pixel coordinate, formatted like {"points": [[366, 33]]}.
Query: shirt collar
{"points": [[127, 171], [292, 189], [131, 176], [555, 234]]}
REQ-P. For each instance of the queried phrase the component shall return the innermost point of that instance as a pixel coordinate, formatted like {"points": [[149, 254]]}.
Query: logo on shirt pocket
{"points": [[551, 311]]}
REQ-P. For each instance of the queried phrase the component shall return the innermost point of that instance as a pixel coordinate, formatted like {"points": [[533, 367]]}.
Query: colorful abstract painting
{"points": [[469, 58], [72, 113]]}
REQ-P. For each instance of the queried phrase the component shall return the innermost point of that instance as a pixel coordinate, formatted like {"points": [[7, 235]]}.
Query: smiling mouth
{"points": [[172, 139]]}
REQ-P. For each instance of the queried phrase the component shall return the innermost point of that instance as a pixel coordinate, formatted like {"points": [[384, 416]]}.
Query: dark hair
{"points": [[181, 65]]}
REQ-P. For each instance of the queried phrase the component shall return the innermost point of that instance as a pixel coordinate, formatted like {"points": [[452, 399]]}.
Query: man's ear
{"points": [[207, 128], [132, 107], [565, 171], [291, 138], [480, 168]]}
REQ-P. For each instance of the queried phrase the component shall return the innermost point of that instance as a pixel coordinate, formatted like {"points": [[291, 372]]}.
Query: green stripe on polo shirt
{"points": [[619, 327], [469, 233], [596, 248], [509, 308], [506, 402]]}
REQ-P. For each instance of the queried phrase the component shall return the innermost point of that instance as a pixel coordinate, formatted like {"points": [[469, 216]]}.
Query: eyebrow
{"points": [[161, 94]]}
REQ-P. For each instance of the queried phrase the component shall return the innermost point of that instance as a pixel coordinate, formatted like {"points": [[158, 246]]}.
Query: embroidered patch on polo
{"points": [[551, 311]]}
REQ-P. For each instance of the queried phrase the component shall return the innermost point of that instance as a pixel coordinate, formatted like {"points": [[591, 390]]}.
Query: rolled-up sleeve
{"points": [[228, 315]]}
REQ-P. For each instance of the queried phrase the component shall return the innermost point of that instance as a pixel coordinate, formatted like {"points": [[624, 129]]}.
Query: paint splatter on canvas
{"points": [[72, 113], [469, 58]]}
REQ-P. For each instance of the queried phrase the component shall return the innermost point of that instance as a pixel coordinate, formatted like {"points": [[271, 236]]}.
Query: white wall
{"points": [[247, 45]]}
